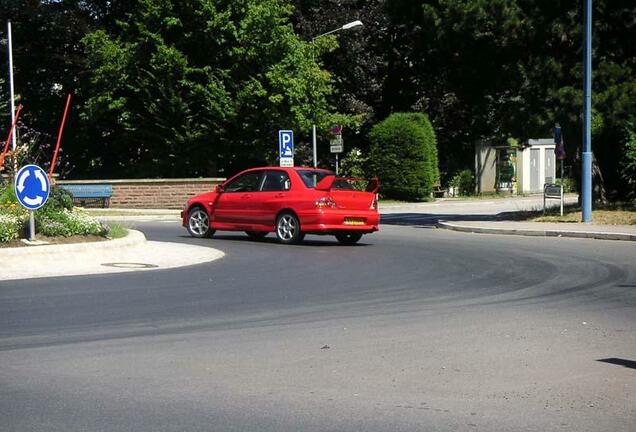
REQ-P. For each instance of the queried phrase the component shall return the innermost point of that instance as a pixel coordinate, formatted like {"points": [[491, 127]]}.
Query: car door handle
{"points": [[246, 196], [280, 195]]}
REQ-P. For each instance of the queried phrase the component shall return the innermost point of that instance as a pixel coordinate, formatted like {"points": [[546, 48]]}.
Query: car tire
{"points": [[288, 228], [256, 235], [199, 223], [349, 238]]}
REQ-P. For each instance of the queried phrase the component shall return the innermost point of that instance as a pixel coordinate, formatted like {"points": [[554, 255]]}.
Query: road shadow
{"points": [[631, 364], [314, 240], [431, 220]]}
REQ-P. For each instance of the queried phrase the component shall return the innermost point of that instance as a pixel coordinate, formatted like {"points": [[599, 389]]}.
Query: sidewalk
{"points": [[545, 229], [131, 253]]}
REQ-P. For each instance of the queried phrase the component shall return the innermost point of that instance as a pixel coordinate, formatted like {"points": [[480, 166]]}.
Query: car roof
{"points": [[287, 168]]}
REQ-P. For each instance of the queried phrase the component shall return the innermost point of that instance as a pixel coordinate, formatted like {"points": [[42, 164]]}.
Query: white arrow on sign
{"points": [[33, 201], [22, 179], [39, 176]]}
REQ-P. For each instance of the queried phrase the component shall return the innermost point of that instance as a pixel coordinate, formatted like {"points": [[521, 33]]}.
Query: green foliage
{"points": [[9, 203], [569, 184], [628, 163], [404, 156], [353, 163], [192, 87], [464, 182], [116, 231], [59, 199], [55, 218], [10, 227], [67, 223]]}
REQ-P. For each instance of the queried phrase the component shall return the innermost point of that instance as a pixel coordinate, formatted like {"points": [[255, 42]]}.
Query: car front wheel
{"points": [[349, 238], [288, 228], [199, 223]]}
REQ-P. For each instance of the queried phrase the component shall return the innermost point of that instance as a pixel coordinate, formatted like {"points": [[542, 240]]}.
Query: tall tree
{"points": [[200, 86]]}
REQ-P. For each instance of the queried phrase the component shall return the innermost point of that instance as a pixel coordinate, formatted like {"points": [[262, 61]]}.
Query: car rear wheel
{"points": [[256, 235], [199, 223], [349, 238], [288, 228]]}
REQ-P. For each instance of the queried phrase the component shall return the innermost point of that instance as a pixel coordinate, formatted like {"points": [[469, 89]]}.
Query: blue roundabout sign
{"points": [[32, 187]]}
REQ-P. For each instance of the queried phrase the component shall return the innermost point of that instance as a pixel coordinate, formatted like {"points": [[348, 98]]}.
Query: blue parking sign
{"points": [[286, 147]]}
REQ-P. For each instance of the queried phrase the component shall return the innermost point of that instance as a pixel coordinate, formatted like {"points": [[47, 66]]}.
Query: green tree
{"points": [[404, 156], [628, 163], [200, 86]]}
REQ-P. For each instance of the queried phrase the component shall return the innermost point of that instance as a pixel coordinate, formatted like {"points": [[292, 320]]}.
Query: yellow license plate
{"points": [[354, 221]]}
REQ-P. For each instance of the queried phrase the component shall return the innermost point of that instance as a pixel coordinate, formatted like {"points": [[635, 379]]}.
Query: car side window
{"points": [[249, 182], [276, 181]]}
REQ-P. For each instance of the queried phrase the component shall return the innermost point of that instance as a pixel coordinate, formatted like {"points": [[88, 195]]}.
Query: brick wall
{"points": [[152, 193]]}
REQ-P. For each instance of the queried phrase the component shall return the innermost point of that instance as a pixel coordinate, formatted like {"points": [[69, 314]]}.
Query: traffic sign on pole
{"points": [[32, 187], [336, 144], [286, 148]]}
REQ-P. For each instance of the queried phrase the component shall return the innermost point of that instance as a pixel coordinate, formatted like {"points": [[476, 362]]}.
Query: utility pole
{"points": [[12, 95], [586, 171]]}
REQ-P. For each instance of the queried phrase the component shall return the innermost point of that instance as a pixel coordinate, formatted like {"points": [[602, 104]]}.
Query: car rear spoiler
{"points": [[331, 181]]}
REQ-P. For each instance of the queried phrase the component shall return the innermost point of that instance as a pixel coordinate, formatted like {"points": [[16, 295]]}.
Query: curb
{"points": [[538, 233], [132, 239]]}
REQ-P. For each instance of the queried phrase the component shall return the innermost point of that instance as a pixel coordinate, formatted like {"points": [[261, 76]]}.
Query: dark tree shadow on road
{"points": [[631, 364], [431, 219]]}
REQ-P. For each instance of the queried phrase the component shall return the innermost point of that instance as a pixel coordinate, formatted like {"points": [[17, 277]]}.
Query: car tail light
{"points": [[374, 203], [325, 202]]}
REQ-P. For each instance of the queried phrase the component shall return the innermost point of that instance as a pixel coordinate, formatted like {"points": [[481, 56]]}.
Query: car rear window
{"points": [[312, 177]]}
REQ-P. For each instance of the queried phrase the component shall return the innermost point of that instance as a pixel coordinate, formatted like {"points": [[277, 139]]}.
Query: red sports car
{"points": [[291, 202]]}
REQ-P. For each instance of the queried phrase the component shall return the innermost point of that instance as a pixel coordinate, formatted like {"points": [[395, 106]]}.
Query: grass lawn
{"points": [[117, 231], [604, 215]]}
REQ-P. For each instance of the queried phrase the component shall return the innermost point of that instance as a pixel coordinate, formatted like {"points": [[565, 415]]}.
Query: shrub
{"points": [[464, 182], [352, 165], [59, 199], [9, 203], [628, 164], [67, 223], [10, 227], [404, 156]]}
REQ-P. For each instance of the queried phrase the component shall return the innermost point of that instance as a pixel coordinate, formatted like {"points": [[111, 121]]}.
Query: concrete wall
{"points": [[153, 193]]}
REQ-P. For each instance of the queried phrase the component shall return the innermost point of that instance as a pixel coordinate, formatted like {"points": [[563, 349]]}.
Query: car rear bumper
{"points": [[338, 220]]}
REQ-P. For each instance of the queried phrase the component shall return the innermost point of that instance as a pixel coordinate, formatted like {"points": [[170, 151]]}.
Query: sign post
{"points": [[32, 190], [286, 148], [335, 144]]}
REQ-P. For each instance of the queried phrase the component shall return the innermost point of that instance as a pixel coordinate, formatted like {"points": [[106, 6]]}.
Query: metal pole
{"points": [[31, 226], [12, 95], [59, 137], [586, 172], [313, 140], [313, 110], [336, 163]]}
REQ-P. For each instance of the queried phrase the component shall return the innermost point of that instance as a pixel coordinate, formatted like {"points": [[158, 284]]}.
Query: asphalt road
{"points": [[415, 329]]}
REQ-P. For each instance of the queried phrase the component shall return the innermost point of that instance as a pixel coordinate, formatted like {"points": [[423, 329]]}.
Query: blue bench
{"points": [[87, 195]]}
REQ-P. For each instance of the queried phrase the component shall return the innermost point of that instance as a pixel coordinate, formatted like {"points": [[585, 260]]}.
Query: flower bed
{"points": [[57, 218]]}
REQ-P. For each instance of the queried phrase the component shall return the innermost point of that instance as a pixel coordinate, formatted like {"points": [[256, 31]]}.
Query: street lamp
{"points": [[347, 26]]}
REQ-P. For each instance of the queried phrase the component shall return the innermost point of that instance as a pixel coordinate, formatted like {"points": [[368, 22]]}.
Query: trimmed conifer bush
{"points": [[403, 155]]}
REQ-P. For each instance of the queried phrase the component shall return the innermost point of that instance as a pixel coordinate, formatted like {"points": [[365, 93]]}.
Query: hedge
{"points": [[403, 155]]}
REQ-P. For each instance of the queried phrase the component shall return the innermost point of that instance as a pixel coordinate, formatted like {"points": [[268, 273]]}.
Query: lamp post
{"points": [[586, 180], [313, 40]]}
